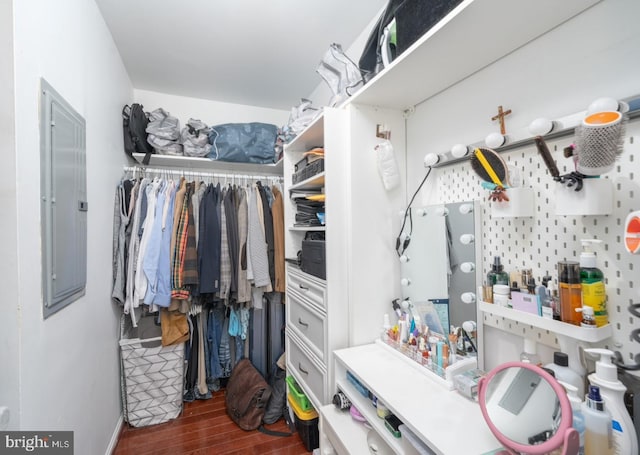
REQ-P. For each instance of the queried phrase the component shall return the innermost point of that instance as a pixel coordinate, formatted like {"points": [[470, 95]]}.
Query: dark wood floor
{"points": [[205, 428]]}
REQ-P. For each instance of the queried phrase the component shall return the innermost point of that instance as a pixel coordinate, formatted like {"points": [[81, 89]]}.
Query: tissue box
{"points": [[529, 303]]}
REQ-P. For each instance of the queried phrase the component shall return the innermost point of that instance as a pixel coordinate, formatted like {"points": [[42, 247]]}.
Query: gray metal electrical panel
{"points": [[63, 191]]}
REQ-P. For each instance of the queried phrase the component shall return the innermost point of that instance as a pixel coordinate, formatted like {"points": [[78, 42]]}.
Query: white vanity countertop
{"points": [[445, 420]]}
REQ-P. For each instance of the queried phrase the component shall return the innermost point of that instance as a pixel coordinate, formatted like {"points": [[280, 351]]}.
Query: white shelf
{"points": [[207, 165], [313, 182], [425, 407], [308, 228], [340, 421], [474, 35], [312, 136], [365, 407], [560, 328]]}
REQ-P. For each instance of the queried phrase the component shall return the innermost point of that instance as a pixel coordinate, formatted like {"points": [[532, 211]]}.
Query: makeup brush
{"points": [[489, 166], [547, 158]]}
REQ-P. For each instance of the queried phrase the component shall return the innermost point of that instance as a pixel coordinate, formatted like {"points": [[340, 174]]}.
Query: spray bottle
{"points": [[592, 280], [612, 391]]}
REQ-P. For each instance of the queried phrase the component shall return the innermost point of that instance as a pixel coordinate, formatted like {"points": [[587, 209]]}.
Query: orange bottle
{"points": [[570, 291]]}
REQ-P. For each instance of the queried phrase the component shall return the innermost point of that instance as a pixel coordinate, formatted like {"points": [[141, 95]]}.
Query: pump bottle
{"points": [[592, 281], [612, 391], [597, 421]]}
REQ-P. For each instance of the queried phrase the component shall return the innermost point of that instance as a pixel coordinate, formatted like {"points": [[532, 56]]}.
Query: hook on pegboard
{"points": [[634, 309]]}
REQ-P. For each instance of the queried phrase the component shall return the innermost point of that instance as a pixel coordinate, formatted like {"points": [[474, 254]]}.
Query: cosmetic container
{"points": [[570, 291], [597, 420], [501, 295], [592, 280], [497, 275]]}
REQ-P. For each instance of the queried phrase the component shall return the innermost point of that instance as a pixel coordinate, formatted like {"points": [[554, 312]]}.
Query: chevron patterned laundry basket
{"points": [[152, 378]]}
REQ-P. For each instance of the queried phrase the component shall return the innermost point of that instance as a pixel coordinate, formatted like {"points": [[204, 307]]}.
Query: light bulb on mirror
{"points": [[431, 159], [404, 236], [468, 297], [602, 104], [465, 209], [421, 212], [467, 267], [406, 305], [405, 282], [494, 140], [459, 151], [404, 258], [442, 211], [541, 126], [466, 239]]}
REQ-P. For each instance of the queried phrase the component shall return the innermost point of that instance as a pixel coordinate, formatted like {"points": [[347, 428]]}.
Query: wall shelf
{"points": [[559, 328], [207, 165], [472, 36]]}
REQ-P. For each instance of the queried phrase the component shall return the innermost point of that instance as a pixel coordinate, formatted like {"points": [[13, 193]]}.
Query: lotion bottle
{"points": [[597, 422], [612, 391]]}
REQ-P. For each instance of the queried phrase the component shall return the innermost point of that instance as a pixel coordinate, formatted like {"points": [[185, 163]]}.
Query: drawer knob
{"points": [[302, 323], [304, 288], [302, 369]]}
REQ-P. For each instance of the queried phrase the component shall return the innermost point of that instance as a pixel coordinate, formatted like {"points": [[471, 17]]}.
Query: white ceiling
{"points": [[255, 52]]}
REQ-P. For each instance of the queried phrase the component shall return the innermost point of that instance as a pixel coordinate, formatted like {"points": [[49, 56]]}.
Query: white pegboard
{"points": [[540, 242]]}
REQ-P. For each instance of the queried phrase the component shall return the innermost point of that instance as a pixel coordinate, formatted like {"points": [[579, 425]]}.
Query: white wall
{"points": [[592, 55], [210, 112], [9, 379], [69, 363]]}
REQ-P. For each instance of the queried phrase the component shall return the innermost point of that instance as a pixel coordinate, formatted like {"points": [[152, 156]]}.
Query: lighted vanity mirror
{"points": [[438, 267], [527, 409]]}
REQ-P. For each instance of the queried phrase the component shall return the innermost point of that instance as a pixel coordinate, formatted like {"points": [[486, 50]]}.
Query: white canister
{"points": [[501, 295]]}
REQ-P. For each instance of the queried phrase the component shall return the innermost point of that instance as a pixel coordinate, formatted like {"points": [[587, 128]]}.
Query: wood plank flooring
{"points": [[204, 428]]}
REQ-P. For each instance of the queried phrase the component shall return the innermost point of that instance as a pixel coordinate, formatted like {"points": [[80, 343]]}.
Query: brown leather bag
{"points": [[246, 396]]}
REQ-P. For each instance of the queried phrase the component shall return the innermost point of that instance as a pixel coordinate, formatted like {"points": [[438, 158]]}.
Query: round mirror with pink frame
{"points": [[527, 410]]}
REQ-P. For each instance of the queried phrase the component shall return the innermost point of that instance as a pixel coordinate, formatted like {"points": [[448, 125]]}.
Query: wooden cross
{"points": [[500, 117]]}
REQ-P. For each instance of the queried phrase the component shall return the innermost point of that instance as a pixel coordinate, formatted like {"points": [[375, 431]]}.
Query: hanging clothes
{"points": [[201, 255]]}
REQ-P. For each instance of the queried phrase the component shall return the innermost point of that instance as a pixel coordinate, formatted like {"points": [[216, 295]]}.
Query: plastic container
{"points": [[560, 367], [296, 393], [612, 390], [576, 411], [306, 425], [529, 355], [501, 294], [597, 421], [592, 280]]}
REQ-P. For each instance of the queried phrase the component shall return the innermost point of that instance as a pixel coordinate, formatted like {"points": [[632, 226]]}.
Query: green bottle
{"points": [[592, 280], [497, 275]]}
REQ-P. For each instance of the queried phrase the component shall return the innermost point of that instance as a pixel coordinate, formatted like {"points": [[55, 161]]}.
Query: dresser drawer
{"points": [[306, 285], [307, 322], [307, 371]]}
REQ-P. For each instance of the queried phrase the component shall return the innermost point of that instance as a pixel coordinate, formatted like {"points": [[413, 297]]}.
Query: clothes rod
{"points": [[192, 173]]}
